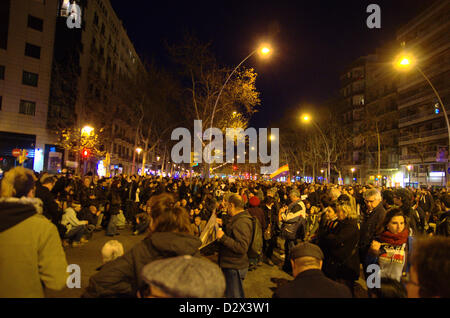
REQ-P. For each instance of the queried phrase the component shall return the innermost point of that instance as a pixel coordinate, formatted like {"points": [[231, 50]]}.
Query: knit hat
{"points": [[186, 277], [254, 201], [306, 249]]}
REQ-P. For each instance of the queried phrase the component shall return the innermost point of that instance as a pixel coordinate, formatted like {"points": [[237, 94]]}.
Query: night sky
{"points": [[312, 41]]}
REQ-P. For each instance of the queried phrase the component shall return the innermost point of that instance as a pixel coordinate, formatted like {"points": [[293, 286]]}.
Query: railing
{"points": [[423, 115], [430, 154], [435, 132]]}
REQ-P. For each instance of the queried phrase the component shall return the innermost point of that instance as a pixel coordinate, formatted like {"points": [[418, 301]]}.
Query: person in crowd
{"points": [[339, 242], [404, 200], [390, 248], [312, 220], [170, 235], [198, 226], [272, 230], [115, 200], [443, 218], [31, 253], [234, 240], [43, 192], [430, 269], [293, 222], [111, 250], [76, 230], [372, 220], [182, 277], [255, 211], [309, 280]]}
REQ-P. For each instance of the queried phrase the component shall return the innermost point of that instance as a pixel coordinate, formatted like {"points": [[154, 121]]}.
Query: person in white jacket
{"points": [[76, 229]]}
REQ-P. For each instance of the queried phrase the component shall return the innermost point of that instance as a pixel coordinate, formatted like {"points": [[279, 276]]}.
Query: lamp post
{"points": [[264, 51], [307, 118], [409, 167], [352, 170]]}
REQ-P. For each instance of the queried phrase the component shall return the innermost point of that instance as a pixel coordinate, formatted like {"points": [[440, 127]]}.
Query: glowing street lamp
{"points": [[139, 150], [87, 131], [352, 170]]}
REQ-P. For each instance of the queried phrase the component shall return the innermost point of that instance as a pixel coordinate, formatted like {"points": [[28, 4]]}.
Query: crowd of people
{"points": [[326, 234]]}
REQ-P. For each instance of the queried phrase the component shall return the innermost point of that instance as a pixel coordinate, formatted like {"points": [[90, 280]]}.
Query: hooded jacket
{"points": [[31, 253], [122, 276]]}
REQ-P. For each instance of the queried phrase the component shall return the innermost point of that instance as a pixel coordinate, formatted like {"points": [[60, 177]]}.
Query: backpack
{"points": [[256, 244]]}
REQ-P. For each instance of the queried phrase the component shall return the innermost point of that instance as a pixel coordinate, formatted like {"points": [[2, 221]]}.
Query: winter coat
{"points": [[235, 243], [122, 276], [31, 253], [312, 283], [340, 248], [369, 227]]}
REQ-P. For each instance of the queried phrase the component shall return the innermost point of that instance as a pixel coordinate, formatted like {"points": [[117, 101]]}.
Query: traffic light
{"points": [[86, 153], [437, 110]]}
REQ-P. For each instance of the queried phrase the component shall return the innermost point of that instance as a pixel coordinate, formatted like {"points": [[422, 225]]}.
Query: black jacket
{"points": [[369, 227], [312, 283], [235, 243], [51, 208], [340, 247], [122, 276]]}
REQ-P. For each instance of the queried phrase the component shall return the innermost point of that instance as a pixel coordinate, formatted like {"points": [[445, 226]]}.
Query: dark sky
{"points": [[313, 41]]}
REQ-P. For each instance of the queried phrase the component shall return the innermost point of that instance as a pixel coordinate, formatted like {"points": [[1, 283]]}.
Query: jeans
{"points": [[76, 233], [112, 226], [234, 278]]}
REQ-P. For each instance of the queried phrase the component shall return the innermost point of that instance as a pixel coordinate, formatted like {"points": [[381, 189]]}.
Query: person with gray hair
{"points": [[372, 220], [183, 277]]}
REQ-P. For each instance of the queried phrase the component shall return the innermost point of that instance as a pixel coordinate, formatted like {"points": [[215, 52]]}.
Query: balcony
{"points": [[423, 136], [416, 118], [415, 158]]}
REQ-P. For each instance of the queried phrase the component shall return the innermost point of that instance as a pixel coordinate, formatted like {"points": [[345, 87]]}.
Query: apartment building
{"points": [[27, 29], [93, 58], [424, 136]]}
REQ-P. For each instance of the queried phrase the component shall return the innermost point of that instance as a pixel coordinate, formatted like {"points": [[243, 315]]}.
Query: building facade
{"points": [[94, 59], [424, 136], [27, 29]]}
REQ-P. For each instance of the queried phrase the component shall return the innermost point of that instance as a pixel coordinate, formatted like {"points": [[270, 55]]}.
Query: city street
{"points": [[257, 284]]}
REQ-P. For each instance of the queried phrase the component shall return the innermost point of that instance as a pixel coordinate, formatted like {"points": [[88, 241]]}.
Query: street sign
{"points": [[16, 152]]}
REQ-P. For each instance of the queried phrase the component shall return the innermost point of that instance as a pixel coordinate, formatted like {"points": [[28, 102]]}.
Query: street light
{"points": [[409, 167], [87, 130], [352, 170], [138, 150], [263, 50], [405, 62], [307, 118]]}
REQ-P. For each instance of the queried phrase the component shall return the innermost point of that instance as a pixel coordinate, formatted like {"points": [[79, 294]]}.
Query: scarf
{"points": [[394, 239]]}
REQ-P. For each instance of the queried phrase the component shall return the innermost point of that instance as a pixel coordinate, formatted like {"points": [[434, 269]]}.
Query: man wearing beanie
{"points": [[309, 280], [183, 277], [256, 211]]}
